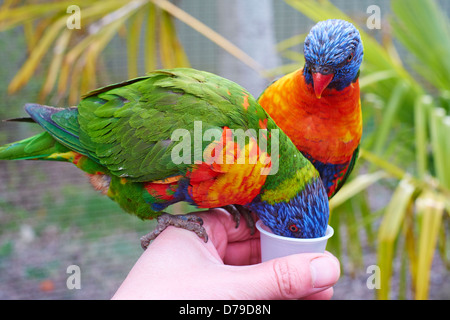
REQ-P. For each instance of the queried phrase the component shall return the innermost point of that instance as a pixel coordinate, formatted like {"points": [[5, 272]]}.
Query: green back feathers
{"points": [[128, 128]]}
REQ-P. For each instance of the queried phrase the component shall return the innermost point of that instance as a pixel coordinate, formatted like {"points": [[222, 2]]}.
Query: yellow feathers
{"points": [[231, 165]]}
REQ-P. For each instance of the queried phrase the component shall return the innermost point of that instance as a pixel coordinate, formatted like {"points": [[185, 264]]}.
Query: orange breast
{"points": [[329, 128]]}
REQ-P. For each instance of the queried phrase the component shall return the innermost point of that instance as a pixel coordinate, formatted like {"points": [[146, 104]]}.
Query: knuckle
{"points": [[287, 278]]}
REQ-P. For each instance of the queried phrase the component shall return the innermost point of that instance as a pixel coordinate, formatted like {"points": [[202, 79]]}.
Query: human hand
{"points": [[179, 265]]}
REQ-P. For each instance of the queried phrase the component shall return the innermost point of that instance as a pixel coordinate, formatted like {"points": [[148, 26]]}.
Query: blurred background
{"points": [[392, 214]]}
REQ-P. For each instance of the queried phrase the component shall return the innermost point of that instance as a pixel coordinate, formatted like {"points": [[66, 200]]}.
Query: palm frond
{"points": [[76, 53]]}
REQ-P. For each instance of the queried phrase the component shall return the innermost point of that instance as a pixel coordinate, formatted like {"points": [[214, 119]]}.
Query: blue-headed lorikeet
{"points": [[319, 106], [138, 143]]}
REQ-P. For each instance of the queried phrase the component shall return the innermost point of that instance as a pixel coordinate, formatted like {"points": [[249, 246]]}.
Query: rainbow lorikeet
{"points": [[182, 135], [319, 106]]}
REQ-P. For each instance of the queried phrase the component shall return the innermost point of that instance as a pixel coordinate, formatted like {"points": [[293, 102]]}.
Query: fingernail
{"points": [[325, 272]]}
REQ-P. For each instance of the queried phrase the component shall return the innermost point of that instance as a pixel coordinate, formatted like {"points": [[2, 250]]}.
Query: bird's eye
{"points": [[313, 68], [293, 228], [350, 57]]}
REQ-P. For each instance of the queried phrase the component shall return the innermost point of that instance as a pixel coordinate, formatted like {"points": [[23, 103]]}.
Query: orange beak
{"points": [[321, 81]]}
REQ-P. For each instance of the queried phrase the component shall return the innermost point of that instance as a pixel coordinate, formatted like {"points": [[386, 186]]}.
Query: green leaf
{"points": [[375, 77], [28, 68], [172, 53], [150, 39], [133, 43], [58, 52], [430, 208], [291, 42], [389, 231], [421, 107], [431, 28], [439, 143], [355, 186], [389, 113]]}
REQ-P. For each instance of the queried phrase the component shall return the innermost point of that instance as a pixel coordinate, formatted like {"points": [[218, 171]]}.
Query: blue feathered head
{"points": [[333, 54]]}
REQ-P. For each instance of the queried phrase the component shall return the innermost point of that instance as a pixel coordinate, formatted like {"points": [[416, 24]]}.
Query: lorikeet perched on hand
{"points": [[319, 106], [169, 136]]}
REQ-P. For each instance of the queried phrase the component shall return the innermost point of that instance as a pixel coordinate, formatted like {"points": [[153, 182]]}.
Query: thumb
{"points": [[291, 277]]}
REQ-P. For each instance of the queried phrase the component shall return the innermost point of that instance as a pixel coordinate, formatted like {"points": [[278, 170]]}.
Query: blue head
{"points": [[303, 216], [333, 54]]}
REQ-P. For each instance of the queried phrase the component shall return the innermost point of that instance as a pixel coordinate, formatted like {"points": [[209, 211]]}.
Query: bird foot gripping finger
{"points": [[237, 211], [189, 222]]}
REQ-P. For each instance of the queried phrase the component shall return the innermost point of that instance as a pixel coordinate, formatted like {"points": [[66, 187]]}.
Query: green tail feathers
{"points": [[39, 147]]}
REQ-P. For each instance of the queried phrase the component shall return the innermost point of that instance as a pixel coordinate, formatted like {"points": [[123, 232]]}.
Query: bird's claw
{"points": [[237, 211], [189, 222]]}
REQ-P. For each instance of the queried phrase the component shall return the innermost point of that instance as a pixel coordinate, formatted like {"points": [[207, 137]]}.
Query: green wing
{"points": [[128, 127]]}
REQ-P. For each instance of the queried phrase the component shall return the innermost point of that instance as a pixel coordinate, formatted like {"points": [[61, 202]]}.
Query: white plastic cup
{"points": [[275, 246]]}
